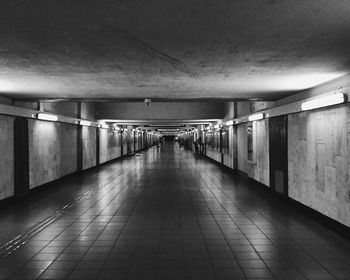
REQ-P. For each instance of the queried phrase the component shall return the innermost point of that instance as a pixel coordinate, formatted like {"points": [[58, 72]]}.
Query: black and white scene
{"points": [[175, 140]]}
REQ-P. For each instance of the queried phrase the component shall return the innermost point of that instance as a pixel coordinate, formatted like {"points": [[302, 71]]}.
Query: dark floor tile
{"points": [[113, 274], [84, 274], [38, 265], [55, 274], [26, 274]]}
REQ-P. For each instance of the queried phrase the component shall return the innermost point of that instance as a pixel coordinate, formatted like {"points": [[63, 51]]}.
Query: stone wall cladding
{"points": [[89, 146], [319, 161], [259, 169], [242, 148], [52, 151], [110, 145], [6, 157], [215, 155]]}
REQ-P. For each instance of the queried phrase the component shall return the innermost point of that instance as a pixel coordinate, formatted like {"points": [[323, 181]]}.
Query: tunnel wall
{"points": [[242, 148], [230, 159], [89, 147], [257, 169], [52, 151], [215, 155], [56, 149], [319, 161], [110, 145], [6, 157]]}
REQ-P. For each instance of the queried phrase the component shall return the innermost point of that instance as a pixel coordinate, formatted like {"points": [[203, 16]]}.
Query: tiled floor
{"points": [[166, 214]]}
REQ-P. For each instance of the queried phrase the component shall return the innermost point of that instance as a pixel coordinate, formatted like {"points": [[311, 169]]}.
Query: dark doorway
{"points": [[278, 154], [169, 138], [21, 156]]}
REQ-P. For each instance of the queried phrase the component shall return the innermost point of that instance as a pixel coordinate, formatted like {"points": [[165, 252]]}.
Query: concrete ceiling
{"points": [[114, 49]]}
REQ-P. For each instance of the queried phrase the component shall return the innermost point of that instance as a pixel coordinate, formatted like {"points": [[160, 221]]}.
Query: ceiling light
{"points": [[47, 117], [231, 122], [85, 123], [323, 101], [256, 117]]}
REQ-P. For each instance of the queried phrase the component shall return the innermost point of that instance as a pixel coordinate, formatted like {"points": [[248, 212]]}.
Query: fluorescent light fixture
{"points": [[231, 122], [104, 125], [47, 117], [256, 117], [85, 123], [323, 101]]}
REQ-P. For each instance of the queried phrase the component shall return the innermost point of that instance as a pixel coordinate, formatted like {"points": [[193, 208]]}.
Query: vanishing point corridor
{"points": [[164, 214]]}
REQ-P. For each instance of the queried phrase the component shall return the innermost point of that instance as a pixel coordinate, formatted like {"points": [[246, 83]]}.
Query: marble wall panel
{"points": [[6, 157], [89, 146], [242, 153], [319, 161], [259, 168], [110, 146], [52, 151], [215, 155]]}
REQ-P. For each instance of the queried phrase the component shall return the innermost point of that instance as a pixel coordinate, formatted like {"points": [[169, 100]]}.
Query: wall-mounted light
{"points": [[323, 101], [47, 117], [104, 125], [256, 117], [85, 123], [231, 122]]}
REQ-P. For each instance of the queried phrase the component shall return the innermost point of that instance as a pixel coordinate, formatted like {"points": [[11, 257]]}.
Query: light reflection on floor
{"points": [[168, 214]]}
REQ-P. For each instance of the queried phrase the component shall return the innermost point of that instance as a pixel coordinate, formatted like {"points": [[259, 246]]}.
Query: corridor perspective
{"points": [[168, 139], [168, 214]]}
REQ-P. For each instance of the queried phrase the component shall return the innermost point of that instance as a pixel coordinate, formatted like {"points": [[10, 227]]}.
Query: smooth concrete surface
{"points": [[161, 110], [69, 109], [319, 161], [6, 157], [171, 49], [167, 214]]}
